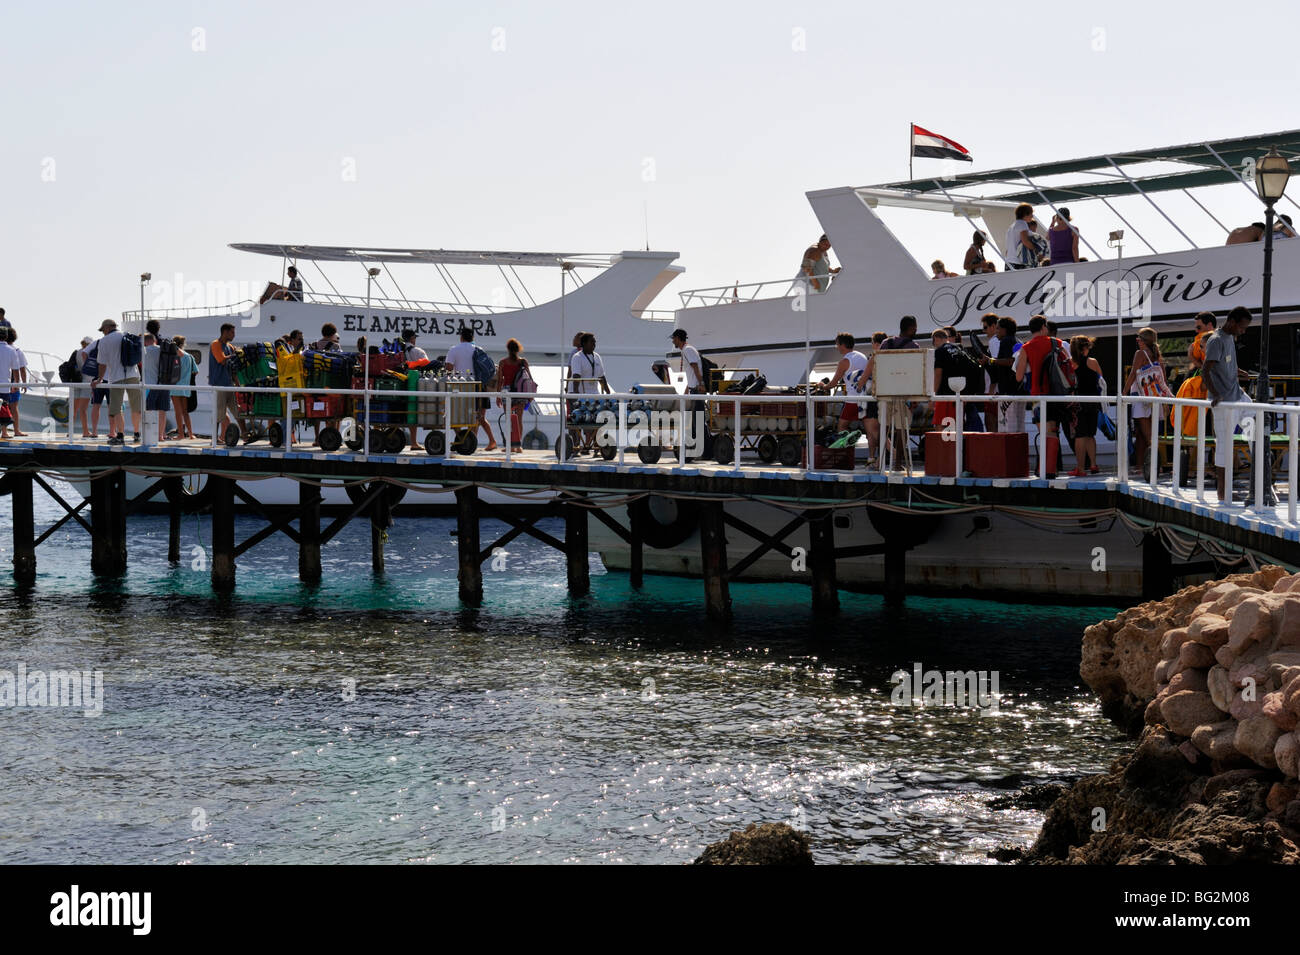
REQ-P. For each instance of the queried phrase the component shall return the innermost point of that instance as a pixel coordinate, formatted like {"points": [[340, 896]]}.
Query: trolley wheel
{"points": [[354, 444], [767, 449], [608, 452], [787, 451], [275, 434], [378, 441], [330, 440], [466, 441], [649, 450], [394, 441], [436, 443], [724, 449], [535, 440], [231, 435], [570, 448]]}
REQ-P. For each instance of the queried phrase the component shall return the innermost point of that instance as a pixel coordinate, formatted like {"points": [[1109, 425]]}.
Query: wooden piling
{"points": [[376, 548], [895, 573], [173, 534], [223, 533], [308, 533], [576, 550], [24, 528], [108, 524], [1157, 568], [821, 562], [470, 573], [713, 554]]}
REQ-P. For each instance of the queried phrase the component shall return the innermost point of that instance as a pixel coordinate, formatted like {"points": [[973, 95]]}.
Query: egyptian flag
{"points": [[928, 145]]}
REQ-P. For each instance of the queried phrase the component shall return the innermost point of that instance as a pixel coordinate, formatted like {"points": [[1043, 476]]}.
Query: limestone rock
{"points": [[1195, 656], [1275, 709], [1188, 679], [1252, 620], [1278, 796], [1215, 740], [772, 843], [1220, 690], [1286, 753], [1210, 630], [1256, 738], [1188, 709]]}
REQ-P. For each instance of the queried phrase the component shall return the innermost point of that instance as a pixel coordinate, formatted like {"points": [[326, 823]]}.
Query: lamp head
{"points": [[374, 273], [1271, 175], [146, 276]]}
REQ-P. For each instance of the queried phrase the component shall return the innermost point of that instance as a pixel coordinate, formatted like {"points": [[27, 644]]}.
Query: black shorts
{"points": [[97, 395], [156, 400]]}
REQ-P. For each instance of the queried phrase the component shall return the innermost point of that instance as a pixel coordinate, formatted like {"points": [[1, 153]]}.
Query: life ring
{"points": [[665, 522], [59, 410], [187, 501]]}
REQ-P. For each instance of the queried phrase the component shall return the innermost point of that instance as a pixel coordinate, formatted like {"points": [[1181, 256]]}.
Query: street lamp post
{"points": [[144, 280], [1271, 175], [371, 275]]}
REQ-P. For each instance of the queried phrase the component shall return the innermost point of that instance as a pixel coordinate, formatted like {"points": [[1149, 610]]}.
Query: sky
{"points": [[146, 136]]}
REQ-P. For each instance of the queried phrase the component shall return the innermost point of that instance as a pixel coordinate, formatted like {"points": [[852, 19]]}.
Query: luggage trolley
{"points": [[773, 428], [389, 414], [253, 366], [431, 411], [326, 370]]}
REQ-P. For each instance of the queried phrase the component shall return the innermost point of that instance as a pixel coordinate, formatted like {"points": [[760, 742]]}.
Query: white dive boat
{"points": [[765, 326], [606, 294]]}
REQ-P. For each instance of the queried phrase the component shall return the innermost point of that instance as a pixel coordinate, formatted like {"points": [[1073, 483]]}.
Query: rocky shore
{"points": [[1208, 679]]}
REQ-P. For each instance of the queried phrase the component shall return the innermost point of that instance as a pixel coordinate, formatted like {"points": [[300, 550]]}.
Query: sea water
{"points": [[377, 720]]}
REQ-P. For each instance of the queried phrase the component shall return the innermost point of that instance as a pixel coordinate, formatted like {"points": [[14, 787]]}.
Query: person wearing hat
{"points": [[690, 363], [120, 381]]}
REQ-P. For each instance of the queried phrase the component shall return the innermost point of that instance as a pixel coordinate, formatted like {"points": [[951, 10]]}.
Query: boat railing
{"points": [[137, 317], [654, 314], [736, 293]]}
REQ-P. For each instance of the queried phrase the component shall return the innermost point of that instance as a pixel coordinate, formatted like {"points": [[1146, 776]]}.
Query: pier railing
{"points": [[628, 426]]}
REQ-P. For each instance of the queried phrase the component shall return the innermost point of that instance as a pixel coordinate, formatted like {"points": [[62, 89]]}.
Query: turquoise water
{"points": [[378, 721]]}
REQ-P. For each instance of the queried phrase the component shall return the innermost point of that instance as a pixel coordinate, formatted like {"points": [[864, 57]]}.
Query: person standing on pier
{"points": [[690, 363], [123, 383], [181, 398], [1221, 381], [460, 357], [224, 408]]}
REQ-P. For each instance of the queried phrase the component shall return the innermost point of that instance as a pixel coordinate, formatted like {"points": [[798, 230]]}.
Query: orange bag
{"points": [[1193, 387]]}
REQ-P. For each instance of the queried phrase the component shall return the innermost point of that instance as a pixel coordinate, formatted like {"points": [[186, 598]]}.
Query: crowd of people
{"points": [[991, 372], [1028, 245]]}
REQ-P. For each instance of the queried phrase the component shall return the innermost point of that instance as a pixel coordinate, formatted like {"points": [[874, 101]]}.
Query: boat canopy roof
{"points": [[331, 253], [1191, 165]]}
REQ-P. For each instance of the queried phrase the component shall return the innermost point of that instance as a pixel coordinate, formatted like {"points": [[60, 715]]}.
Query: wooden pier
{"points": [[578, 492]]}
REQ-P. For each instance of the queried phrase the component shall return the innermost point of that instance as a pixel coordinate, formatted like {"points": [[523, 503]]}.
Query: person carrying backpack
{"points": [[1041, 354], [464, 357]]}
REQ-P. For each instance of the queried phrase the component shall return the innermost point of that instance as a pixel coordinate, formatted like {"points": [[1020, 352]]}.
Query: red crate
{"points": [[997, 455], [324, 406], [385, 362], [941, 454]]}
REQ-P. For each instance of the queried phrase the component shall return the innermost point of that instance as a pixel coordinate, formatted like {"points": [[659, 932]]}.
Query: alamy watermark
{"points": [[959, 688], [75, 689]]}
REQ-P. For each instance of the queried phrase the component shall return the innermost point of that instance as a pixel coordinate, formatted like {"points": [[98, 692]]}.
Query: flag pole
{"points": [[910, 127]]}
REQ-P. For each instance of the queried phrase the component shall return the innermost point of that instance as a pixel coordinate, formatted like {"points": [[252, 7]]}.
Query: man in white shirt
{"points": [[690, 363], [18, 375], [586, 364], [460, 357], [122, 379], [413, 351], [8, 369]]}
